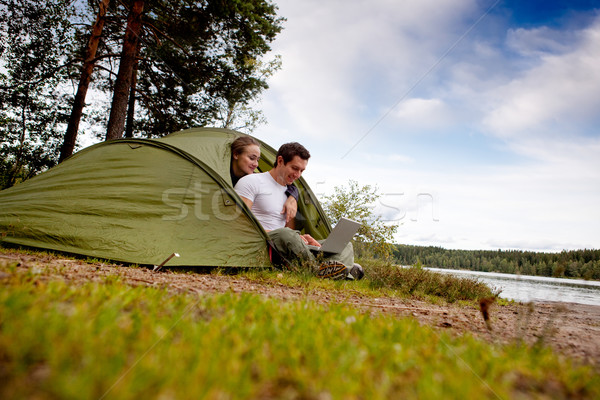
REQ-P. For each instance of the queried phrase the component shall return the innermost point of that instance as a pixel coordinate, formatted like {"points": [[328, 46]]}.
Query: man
{"points": [[265, 194]]}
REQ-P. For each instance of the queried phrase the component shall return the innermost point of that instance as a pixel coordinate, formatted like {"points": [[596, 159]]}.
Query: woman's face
{"points": [[247, 161]]}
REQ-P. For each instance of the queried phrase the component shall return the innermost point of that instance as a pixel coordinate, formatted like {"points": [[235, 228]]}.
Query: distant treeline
{"points": [[583, 264]]}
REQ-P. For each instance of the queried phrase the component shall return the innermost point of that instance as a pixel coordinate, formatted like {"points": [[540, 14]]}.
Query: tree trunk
{"points": [[11, 179], [116, 121], [131, 104], [86, 75]]}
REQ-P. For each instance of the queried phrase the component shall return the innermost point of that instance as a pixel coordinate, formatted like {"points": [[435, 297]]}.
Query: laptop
{"points": [[338, 238]]}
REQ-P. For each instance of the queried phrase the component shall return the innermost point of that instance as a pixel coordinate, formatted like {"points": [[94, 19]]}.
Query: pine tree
{"points": [[35, 36]]}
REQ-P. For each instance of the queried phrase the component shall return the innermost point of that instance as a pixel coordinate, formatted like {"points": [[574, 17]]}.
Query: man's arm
{"points": [[247, 202], [290, 208], [246, 190], [293, 192]]}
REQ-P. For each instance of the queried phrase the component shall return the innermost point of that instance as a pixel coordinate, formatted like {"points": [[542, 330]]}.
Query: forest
{"points": [[107, 69], [581, 264]]}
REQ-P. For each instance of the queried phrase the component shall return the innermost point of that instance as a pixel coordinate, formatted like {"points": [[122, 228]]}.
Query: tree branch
{"points": [[156, 30], [45, 76]]}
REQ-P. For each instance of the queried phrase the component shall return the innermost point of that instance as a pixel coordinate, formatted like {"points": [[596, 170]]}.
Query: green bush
{"points": [[419, 282]]}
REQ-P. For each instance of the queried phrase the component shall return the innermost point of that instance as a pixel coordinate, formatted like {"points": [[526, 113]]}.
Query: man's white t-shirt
{"points": [[267, 197]]}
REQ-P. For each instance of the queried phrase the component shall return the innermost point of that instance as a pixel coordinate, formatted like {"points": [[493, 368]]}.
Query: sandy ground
{"points": [[570, 329]]}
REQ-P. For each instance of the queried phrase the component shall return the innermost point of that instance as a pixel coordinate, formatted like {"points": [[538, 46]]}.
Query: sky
{"points": [[478, 121]]}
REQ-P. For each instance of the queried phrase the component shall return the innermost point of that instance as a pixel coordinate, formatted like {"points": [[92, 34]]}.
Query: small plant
{"points": [[357, 202], [419, 282]]}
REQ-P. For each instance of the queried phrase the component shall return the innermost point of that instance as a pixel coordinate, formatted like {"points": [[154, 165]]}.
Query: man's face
{"points": [[292, 170]]}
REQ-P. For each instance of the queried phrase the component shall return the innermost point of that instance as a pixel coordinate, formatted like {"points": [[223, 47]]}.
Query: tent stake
{"points": [[158, 267]]}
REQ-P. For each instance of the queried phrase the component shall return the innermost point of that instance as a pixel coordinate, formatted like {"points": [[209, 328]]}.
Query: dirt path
{"points": [[571, 329]]}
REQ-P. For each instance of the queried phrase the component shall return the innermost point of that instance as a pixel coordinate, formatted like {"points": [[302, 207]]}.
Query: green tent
{"points": [[140, 200]]}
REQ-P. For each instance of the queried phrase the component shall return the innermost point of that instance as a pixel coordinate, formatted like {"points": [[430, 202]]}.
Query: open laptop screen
{"points": [[343, 233]]}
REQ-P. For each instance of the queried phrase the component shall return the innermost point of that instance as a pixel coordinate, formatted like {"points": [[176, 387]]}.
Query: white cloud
{"points": [[539, 41], [346, 63], [342, 58], [547, 99], [424, 114], [401, 158], [535, 206]]}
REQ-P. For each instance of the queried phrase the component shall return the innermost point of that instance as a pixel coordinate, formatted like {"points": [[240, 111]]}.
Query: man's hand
{"points": [[310, 240], [290, 208]]}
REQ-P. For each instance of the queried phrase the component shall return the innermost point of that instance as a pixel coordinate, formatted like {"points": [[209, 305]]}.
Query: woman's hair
{"points": [[239, 144]]}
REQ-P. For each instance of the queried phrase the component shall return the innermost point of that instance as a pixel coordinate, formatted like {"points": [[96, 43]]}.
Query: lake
{"points": [[525, 288]]}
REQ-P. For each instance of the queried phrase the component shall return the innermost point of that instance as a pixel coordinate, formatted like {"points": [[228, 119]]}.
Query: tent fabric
{"points": [[140, 200]]}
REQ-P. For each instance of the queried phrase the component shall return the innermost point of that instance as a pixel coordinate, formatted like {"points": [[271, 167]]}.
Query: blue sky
{"points": [[478, 121]]}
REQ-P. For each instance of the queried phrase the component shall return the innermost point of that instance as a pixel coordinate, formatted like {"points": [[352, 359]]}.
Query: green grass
{"points": [[381, 278], [97, 340], [384, 278]]}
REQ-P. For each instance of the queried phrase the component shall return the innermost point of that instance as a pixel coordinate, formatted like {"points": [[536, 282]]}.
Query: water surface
{"points": [[527, 288]]}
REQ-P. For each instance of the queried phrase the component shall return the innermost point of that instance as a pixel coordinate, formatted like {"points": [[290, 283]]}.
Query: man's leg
{"points": [[290, 245], [346, 256]]}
